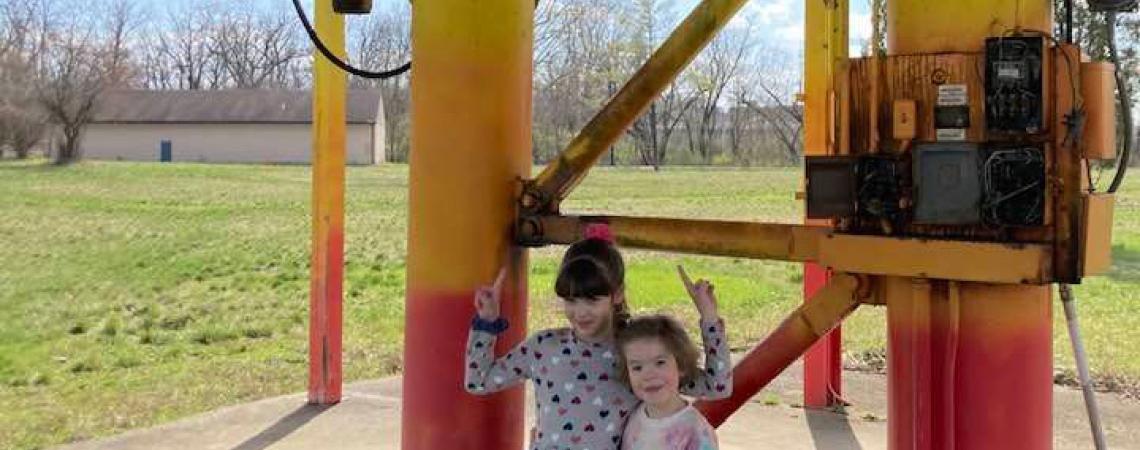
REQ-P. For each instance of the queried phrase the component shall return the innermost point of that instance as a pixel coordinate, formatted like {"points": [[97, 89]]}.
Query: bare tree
{"points": [[75, 77], [652, 132], [181, 50], [119, 25], [767, 89], [21, 128], [383, 42], [21, 123], [156, 70], [255, 49], [718, 65]]}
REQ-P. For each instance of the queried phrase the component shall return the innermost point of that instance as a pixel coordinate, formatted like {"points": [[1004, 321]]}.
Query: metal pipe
{"points": [[471, 139], [794, 336], [825, 52], [952, 339], [562, 174], [785, 242], [1082, 365], [326, 273]]}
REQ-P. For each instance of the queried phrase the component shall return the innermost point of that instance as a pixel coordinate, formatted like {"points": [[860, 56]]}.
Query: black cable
{"points": [[1075, 120], [1068, 21], [337, 61], [1125, 105]]}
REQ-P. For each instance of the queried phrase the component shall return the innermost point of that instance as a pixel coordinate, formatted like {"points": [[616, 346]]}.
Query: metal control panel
{"points": [[1014, 101]]}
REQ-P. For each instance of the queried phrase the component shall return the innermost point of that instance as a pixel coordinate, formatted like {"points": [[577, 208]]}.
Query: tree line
{"points": [[734, 105]]}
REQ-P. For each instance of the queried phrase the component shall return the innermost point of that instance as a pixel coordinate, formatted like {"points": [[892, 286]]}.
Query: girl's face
{"points": [[653, 372], [591, 318]]}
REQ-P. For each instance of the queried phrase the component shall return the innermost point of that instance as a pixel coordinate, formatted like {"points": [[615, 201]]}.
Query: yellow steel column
{"points": [[327, 271], [923, 26], [471, 113], [970, 363], [825, 60]]}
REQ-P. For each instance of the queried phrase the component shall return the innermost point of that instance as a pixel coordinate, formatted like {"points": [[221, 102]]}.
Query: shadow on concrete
{"points": [[831, 431], [285, 426]]}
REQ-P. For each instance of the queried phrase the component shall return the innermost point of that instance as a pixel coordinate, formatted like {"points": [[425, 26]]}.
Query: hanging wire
{"points": [[1125, 106], [337, 61]]}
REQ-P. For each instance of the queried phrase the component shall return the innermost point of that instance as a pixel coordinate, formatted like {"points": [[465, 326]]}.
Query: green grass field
{"points": [[134, 294]]}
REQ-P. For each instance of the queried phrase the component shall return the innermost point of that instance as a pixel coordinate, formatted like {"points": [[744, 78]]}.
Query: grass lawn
{"points": [[134, 294]]}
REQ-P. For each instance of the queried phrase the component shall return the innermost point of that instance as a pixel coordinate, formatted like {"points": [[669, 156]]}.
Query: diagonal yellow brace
{"points": [[562, 174], [794, 336]]}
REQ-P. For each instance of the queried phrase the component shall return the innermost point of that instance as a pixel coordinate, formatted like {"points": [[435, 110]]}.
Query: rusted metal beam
{"points": [[563, 173], [794, 336], [785, 242], [988, 262]]}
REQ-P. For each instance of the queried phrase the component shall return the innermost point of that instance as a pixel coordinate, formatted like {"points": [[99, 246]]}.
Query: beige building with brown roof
{"points": [[227, 126]]}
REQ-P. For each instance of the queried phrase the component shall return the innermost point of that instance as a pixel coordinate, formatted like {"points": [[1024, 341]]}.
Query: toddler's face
{"points": [[653, 371], [591, 318]]}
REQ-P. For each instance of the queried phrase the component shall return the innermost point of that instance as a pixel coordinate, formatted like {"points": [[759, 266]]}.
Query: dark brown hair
{"points": [[592, 268], [671, 334]]}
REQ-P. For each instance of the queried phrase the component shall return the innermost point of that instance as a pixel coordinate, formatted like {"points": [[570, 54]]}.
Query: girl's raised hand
{"points": [[702, 294], [487, 298]]}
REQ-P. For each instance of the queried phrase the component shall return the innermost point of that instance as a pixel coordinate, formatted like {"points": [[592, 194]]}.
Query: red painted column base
{"points": [[823, 364], [437, 412]]}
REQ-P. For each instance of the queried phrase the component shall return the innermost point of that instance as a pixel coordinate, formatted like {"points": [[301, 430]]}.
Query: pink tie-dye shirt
{"points": [[686, 429]]}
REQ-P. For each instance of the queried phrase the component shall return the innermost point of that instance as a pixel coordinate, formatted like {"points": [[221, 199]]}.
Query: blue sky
{"points": [[784, 20], [781, 20]]}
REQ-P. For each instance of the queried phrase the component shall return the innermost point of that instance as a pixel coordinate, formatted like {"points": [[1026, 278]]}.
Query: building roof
{"points": [[227, 106]]}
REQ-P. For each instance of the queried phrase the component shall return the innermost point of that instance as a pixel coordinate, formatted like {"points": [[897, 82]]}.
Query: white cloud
{"points": [[774, 11], [781, 22]]}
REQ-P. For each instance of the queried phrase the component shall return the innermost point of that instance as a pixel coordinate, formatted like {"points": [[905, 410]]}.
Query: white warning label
{"points": [[950, 134], [952, 95]]}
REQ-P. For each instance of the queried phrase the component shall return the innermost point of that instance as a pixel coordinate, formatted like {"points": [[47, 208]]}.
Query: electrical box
{"points": [[1013, 186], [904, 117], [831, 190], [879, 184], [1098, 90], [947, 191], [987, 147], [1014, 102], [1096, 233]]}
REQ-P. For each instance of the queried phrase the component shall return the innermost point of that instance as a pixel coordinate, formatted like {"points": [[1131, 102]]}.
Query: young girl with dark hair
{"points": [[580, 402]]}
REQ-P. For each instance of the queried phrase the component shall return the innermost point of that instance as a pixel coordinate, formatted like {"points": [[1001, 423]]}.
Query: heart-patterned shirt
{"points": [[686, 429], [579, 402]]}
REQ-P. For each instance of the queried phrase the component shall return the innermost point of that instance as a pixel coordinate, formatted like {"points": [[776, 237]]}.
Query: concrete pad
{"points": [[369, 418]]}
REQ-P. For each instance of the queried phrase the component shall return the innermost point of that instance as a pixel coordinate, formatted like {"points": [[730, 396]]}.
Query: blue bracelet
{"points": [[489, 326]]}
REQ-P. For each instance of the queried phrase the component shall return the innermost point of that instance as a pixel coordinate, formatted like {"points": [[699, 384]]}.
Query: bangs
{"points": [[583, 278]]}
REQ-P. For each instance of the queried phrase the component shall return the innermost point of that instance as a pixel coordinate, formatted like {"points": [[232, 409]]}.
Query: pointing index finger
{"points": [[499, 279], [685, 277]]}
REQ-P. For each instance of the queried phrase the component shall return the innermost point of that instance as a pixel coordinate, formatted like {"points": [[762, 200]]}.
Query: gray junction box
{"points": [[947, 185]]}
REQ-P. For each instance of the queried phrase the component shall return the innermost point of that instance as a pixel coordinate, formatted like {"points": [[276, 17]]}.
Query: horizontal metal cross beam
{"points": [[989, 262]]}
